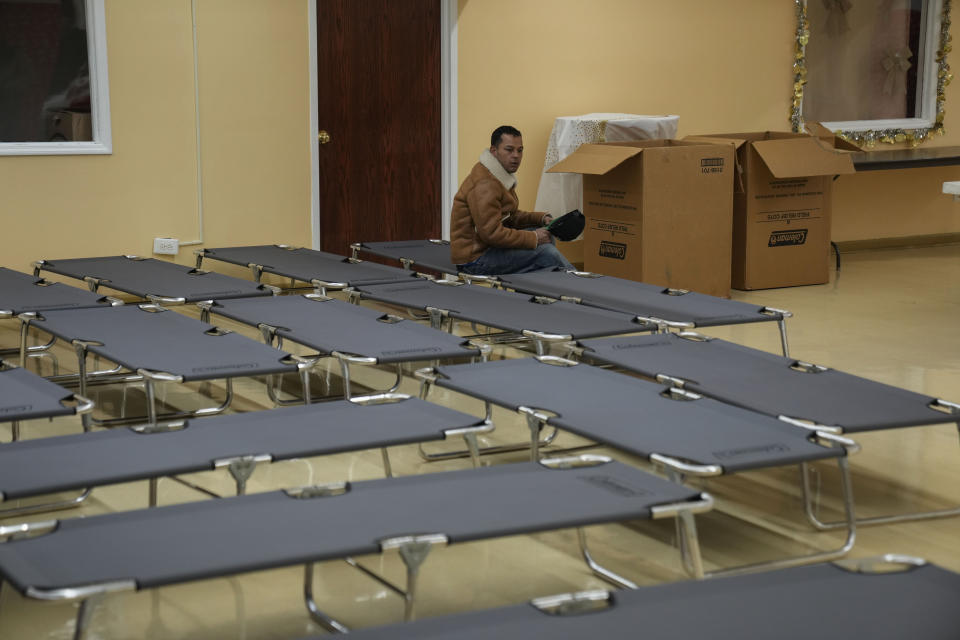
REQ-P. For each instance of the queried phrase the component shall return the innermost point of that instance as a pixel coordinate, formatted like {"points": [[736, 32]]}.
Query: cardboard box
{"points": [[781, 212], [658, 211], [70, 125]]}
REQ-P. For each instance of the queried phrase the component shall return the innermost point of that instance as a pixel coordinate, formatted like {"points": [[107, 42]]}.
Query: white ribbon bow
{"points": [[896, 63], [837, 16]]}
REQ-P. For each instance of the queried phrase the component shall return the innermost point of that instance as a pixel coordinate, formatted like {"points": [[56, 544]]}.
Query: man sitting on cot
{"points": [[489, 235]]}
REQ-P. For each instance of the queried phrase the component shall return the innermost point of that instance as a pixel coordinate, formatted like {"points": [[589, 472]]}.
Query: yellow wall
{"points": [[721, 66], [254, 130]]}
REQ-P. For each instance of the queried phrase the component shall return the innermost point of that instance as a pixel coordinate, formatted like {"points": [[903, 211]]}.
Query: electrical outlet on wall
{"points": [[166, 246]]}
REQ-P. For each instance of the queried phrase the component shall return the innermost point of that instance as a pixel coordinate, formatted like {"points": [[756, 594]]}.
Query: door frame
{"points": [[448, 118]]}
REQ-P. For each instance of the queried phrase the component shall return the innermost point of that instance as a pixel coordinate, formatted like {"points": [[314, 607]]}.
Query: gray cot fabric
{"points": [[308, 264], [21, 292], [163, 341], [149, 277], [639, 298], [506, 310], [820, 601], [334, 325], [428, 254], [46, 465], [208, 539], [765, 382], [633, 415], [24, 396]]}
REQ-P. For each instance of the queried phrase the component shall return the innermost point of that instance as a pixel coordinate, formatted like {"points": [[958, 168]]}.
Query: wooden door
{"points": [[378, 67]]}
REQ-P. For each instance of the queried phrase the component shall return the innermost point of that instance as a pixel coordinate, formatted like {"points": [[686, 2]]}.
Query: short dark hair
{"points": [[498, 133]]}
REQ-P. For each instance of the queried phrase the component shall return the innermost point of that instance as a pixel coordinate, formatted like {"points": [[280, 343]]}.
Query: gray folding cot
{"points": [[83, 558], [432, 255], [683, 432], [349, 333], [800, 392], [155, 345], [672, 308], [237, 442], [888, 598], [25, 396], [153, 280], [538, 319], [324, 271], [22, 293]]}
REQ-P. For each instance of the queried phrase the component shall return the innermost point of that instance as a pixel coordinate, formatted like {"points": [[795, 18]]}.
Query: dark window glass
{"points": [[863, 59], [44, 71]]}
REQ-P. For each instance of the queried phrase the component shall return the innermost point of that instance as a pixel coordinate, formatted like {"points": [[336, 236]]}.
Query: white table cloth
{"points": [[562, 192]]}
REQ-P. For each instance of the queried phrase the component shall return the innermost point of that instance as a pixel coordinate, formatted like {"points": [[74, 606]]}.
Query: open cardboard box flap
{"points": [[817, 129], [595, 159], [800, 157], [736, 142]]}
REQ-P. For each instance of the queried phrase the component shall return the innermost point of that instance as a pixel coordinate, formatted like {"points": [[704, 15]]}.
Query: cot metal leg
{"points": [[599, 570], [151, 401], [25, 319], [104, 376], [413, 554], [54, 364], [195, 487], [305, 381], [414, 551], [425, 382], [345, 374], [153, 489], [822, 556], [304, 367], [150, 378], [782, 324], [690, 545], [85, 615], [440, 319], [534, 424], [241, 468], [471, 440], [387, 468], [32, 349], [810, 511], [47, 506], [687, 538], [327, 622]]}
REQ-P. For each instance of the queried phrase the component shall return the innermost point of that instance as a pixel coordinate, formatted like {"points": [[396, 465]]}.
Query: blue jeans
{"points": [[497, 261]]}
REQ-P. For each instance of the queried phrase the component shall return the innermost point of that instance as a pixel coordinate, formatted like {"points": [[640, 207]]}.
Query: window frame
{"points": [[102, 143], [934, 73]]}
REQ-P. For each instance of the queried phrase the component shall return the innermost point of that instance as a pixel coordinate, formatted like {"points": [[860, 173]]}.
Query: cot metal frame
{"points": [[413, 550], [94, 283], [240, 467], [257, 270], [443, 319], [80, 405], [679, 470], [151, 378], [276, 336], [13, 303], [946, 407], [887, 597], [773, 314]]}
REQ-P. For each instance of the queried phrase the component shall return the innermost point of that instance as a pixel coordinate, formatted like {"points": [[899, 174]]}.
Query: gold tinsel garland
{"points": [[869, 138]]}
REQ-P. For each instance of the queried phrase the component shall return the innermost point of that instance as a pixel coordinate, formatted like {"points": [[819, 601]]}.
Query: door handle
{"points": [[323, 137]]}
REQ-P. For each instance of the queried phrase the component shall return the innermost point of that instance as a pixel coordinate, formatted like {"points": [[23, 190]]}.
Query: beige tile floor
{"points": [[891, 315]]}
